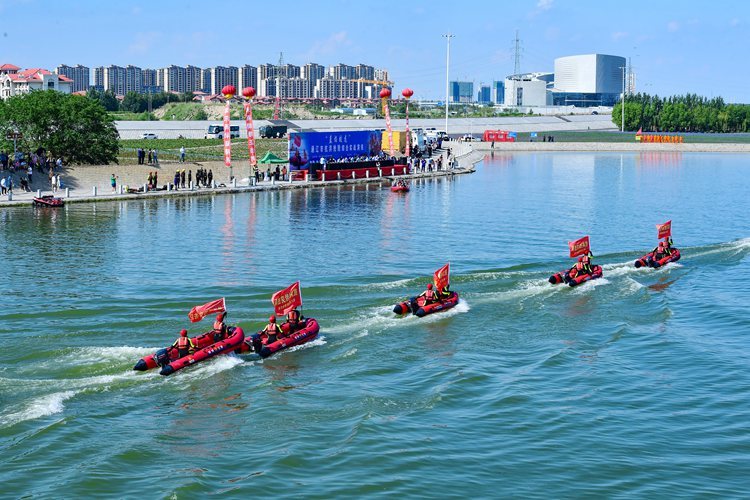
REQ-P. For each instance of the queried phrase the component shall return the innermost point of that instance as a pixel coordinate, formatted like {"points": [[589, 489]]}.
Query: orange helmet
{"points": [[183, 333], [429, 286], [272, 319]]}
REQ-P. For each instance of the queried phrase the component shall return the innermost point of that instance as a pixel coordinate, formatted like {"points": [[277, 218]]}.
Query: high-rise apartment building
{"points": [[344, 72], [248, 77], [364, 72], [114, 79], [99, 77], [222, 76], [79, 74]]}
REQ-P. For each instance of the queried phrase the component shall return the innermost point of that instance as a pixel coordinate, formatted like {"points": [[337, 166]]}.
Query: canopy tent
{"points": [[269, 157]]}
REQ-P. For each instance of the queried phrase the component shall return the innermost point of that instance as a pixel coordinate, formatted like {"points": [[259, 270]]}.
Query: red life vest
{"points": [[273, 329], [183, 343], [429, 294], [218, 325]]}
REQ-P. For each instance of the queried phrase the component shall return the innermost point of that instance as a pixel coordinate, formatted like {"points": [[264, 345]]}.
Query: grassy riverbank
{"points": [[199, 149]]}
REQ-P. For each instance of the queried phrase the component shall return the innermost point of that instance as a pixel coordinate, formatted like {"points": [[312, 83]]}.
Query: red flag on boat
{"points": [[197, 313], [442, 276], [579, 247], [287, 299], [664, 230]]}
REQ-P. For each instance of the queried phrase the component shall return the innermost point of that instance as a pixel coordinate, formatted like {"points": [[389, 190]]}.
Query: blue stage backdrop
{"points": [[306, 147]]}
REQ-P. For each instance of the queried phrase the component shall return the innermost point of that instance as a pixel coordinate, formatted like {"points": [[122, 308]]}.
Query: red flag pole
{"points": [[407, 93], [384, 95], [228, 91], [249, 93]]}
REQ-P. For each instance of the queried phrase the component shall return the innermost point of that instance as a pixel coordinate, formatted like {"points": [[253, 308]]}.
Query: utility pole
{"points": [[447, 36], [622, 102]]}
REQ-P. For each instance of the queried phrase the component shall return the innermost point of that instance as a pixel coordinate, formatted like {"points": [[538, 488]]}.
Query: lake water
{"points": [[634, 385]]}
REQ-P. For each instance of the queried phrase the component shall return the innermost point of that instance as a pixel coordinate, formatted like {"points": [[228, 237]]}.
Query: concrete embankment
{"points": [[92, 183]]}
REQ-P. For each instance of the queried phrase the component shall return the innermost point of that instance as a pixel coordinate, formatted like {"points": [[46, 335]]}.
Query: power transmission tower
{"points": [[277, 107], [517, 55]]}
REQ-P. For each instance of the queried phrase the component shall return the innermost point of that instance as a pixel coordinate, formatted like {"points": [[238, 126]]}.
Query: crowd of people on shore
{"points": [[153, 156], [18, 169]]}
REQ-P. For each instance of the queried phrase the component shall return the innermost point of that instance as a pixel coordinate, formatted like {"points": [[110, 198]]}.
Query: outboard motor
{"points": [[257, 343], [162, 357]]}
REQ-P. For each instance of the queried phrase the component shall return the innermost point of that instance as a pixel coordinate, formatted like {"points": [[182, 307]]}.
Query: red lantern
{"points": [[229, 91], [407, 93], [248, 92], [385, 93]]}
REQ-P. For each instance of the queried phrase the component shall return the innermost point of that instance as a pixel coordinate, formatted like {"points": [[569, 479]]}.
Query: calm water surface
{"points": [[635, 385]]}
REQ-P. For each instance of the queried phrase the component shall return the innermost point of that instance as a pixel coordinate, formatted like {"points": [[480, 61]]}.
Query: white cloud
{"points": [[544, 4], [143, 42], [673, 26], [619, 35], [333, 43]]}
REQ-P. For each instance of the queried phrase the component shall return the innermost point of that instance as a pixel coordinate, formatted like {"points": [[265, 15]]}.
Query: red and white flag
{"points": [[664, 230], [227, 137], [579, 246], [442, 277], [287, 300], [387, 111], [250, 134], [197, 313]]}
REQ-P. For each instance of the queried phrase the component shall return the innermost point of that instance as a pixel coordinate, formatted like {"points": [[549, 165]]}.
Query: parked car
{"points": [[470, 138], [149, 135]]}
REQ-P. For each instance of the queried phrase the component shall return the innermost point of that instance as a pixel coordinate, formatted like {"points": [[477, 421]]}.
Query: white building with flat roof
{"points": [[588, 80], [528, 89]]}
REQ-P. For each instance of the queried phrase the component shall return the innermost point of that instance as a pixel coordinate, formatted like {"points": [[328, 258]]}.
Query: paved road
{"points": [[197, 129]]}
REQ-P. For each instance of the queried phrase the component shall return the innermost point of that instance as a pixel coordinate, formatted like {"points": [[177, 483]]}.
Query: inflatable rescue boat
{"points": [[419, 307], [258, 342], [564, 277], [649, 261]]}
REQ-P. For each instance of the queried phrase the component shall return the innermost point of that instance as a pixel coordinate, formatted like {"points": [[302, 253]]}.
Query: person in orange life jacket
{"points": [[583, 266], [272, 330], [220, 326], [184, 344], [293, 321], [429, 295], [663, 249]]}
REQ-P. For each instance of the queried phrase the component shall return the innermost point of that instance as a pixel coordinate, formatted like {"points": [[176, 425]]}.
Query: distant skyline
{"points": [[675, 47]]}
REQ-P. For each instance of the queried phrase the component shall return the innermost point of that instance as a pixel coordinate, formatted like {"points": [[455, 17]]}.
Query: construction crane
{"points": [[277, 105]]}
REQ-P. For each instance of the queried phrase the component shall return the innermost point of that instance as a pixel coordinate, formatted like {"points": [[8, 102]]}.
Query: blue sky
{"points": [[676, 46]]}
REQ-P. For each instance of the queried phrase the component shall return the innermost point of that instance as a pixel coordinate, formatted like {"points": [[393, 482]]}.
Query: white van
{"points": [[217, 132]]}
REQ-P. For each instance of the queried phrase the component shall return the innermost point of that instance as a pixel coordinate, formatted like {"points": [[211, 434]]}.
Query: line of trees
{"points": [[134, 102], [688, 113], [72, 126]]}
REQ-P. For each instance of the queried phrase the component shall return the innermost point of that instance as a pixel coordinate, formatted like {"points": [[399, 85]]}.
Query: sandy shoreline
{"points": [[83, 178]]}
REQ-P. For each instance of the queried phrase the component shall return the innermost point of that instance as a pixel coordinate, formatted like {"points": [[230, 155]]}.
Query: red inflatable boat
{"points": [[48, 201], [258, 342], [417, 305], [563, 277], [229, 344], [648, 259], [400, 189], [206, 347]]}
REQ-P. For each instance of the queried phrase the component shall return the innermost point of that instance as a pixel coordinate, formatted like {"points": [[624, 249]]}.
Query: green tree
{"points": [[75, 127]]}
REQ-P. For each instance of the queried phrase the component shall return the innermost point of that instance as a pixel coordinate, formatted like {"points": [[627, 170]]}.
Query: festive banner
{"points": [[250, 134], [579, 247], [306, 147], [407, 93], [442, 276], [384, 95], [197, 313], [664, 230], [228, 91], [287, 299]]}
